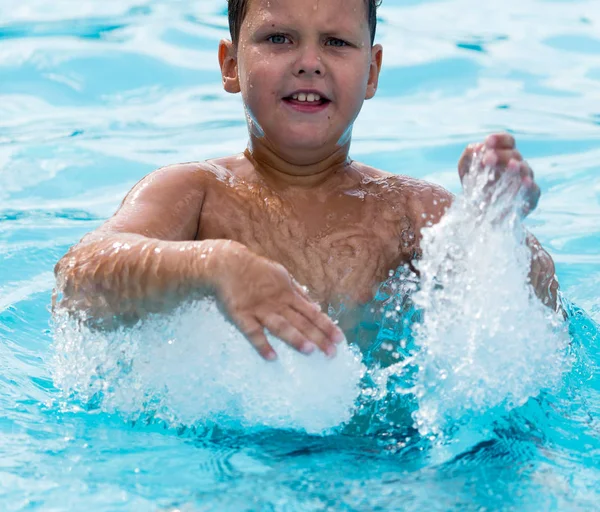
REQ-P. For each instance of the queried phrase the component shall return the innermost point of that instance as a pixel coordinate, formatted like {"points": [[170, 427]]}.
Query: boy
{"points": [[293, 208]]}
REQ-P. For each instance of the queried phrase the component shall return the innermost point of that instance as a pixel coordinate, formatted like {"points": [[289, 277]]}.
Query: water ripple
{"points": [[85, 29], [95, 94]]}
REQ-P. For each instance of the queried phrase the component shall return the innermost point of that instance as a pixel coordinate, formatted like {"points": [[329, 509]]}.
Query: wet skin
{"points": [[222, 228], [292, 225]]}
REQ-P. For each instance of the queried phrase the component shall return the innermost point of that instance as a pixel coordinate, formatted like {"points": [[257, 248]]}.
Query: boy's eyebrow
{"points": [[272, 24], [285, 26]]}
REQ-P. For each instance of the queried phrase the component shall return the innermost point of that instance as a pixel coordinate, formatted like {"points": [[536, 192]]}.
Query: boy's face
{"points": [[292, 50]]}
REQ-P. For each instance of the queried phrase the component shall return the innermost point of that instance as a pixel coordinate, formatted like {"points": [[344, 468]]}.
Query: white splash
{"points": [[485, 340], [192, 367]]}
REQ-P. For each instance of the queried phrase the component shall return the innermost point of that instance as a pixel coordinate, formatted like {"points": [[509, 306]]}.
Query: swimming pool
{"points": [[94, 95]]}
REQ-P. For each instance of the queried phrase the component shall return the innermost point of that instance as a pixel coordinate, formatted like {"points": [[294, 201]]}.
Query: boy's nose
{"points": [[309, 63]]}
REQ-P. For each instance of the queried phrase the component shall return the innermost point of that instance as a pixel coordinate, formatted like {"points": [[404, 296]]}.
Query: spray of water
{"points": [[485, 341], [469, 337], [192, 368]]}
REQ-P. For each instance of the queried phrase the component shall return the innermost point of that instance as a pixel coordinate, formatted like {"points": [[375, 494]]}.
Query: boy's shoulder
{"points": [[420, 196], [237, 166], [204, 172], [198, 175]]}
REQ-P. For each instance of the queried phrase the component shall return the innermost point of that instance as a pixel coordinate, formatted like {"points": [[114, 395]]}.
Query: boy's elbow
{"points": [[75, 288], [547, 288]]}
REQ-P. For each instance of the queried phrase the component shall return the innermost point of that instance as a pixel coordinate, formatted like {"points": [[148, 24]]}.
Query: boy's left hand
{"points": [[499, 152]]}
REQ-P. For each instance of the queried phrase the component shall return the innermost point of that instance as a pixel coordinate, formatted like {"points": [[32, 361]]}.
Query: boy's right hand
{"points": [[259, 294]]}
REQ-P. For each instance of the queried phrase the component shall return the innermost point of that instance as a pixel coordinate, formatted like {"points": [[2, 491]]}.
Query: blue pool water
{"points": [[94, 95]]}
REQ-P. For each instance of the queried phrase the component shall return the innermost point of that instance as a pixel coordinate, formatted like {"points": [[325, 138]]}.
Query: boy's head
{"points": [[237, 12], [304, 68]]}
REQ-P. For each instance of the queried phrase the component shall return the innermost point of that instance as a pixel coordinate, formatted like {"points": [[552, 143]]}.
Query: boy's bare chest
{"points": [[341, 248]]}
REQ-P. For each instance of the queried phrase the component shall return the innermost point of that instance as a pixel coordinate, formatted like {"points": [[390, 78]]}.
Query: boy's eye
{"points": [[338, 43], [278, 39]]}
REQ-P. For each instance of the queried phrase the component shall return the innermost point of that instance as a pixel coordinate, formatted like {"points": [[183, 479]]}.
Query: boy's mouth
{"points": [[307, 101]]}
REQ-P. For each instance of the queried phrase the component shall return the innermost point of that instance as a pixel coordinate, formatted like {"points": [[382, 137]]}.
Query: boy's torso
{"points": [[340, 239]]}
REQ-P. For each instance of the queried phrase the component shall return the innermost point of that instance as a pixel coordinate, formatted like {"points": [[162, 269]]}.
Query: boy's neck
{"points": [[280, 171]]}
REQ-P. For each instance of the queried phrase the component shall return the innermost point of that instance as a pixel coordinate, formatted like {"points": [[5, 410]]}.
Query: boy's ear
{"points": [[229, 68], [376, 60]]}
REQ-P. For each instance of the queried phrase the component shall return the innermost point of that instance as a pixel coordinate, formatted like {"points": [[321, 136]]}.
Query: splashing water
{"points": [[193, 368], [485, 341], [469, 338]]}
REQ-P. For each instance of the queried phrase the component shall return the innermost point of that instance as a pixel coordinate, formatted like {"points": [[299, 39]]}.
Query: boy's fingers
{"points": [[303, 299], [501, 158], [320, 320], [311, 332], [500, 141], [298, 288], [466, 159], [504, 156], [526, 171], [500, 150], [281, 327], [255, 334], [533, 198]]}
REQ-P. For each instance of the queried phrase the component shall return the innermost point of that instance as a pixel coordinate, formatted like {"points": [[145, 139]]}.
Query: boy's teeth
{"points": [[310, 97]]}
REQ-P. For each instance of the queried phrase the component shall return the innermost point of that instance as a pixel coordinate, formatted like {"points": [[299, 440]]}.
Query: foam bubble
{"points": [[192, 367]]}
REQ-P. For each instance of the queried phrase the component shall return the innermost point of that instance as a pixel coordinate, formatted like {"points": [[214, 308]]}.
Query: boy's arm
{"points": [[144, 256], [432, 202], [499, 152], [542, 274], [432, 205], [146, 259]]}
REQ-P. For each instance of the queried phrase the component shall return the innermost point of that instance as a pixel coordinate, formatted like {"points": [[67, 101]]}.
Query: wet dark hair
{"points": [[237, 12]]}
